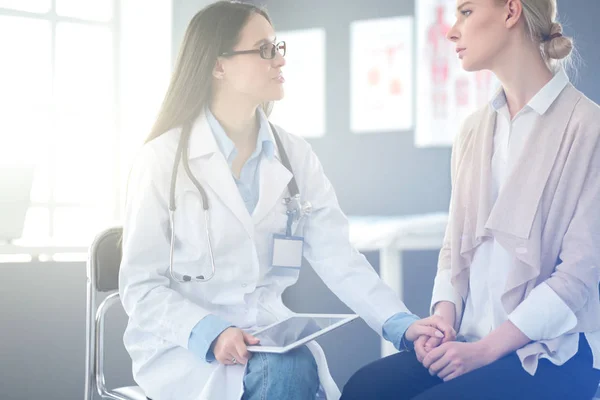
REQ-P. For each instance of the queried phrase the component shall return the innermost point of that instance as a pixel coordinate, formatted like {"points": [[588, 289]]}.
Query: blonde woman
{"points": [[519, 270]]}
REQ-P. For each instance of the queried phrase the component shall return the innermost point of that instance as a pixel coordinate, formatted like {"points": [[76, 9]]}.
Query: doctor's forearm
{"points": [[394, 328], [204, 334]]}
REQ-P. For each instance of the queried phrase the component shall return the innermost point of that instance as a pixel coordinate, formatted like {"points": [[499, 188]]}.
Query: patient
{"points": [[519, 270]]}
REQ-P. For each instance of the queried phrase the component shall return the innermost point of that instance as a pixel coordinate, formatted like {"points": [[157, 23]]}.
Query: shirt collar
{"points": [[543, 99], [264, 141]]}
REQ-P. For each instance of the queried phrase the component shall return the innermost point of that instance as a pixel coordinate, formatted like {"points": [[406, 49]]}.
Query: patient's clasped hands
{"points": [[445, 357]]}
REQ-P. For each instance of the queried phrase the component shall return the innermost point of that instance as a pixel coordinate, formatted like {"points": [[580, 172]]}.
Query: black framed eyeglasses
{"points": [[267, 51]]}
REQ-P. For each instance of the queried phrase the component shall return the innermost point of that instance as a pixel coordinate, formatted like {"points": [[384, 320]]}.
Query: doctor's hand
{"points": [[434, 326], [422, 346], [230, 346]]}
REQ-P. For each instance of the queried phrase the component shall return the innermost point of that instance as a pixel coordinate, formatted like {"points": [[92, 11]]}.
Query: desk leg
{"points": [[391, 272]]}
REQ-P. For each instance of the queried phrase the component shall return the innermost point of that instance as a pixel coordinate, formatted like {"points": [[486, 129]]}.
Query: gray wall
{"points": [[43, 304], [382, 167], [42, 340]]}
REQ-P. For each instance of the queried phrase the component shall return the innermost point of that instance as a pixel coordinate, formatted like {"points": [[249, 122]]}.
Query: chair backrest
{"points": [[105, 260]]}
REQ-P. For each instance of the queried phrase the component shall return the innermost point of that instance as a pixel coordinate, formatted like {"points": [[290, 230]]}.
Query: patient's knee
{"points": [[361, 384]]}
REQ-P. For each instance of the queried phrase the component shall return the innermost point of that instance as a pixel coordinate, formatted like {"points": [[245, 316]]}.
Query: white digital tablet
{"points": [[297, 330]]}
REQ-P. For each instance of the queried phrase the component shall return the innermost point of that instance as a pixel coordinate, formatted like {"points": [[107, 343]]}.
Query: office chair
{"points": [[104, 260]]}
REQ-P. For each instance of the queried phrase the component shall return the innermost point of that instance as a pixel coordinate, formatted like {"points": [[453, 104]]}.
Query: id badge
{"points": [[287, 251]]}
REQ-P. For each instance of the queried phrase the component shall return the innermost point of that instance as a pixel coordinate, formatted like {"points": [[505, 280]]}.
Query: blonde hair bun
{"points": [[557, 46]]}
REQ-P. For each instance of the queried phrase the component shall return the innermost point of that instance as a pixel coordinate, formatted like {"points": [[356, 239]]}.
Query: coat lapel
{"points": [[211, 168], [472, 187], [518, 201], [485, 173], [515, 218], [474, 183], [274, 177]]}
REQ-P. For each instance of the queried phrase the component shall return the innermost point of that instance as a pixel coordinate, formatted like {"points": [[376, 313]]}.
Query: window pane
{"points": [[40, 190], [85, 159], [79, 225], [26, 67], [24, 135], [37, 225], [84, 68], [39, 6], [98, 10], [25, 82]]}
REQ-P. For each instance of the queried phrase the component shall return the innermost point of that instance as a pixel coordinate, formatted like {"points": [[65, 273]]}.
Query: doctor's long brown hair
{"points": [[214, 30]]}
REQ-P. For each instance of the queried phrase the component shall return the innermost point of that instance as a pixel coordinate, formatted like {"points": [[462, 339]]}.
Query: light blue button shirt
{"points": [[249, 182], [395, 328], [211, 326]]}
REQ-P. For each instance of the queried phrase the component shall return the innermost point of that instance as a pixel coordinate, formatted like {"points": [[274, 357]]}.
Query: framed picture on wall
{"points": [[446, 94], [381, 66], [302, 109]]}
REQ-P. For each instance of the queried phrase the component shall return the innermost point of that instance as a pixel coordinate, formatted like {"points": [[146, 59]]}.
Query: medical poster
{"points": [[302, 109], [381, 81], [446, 94]]}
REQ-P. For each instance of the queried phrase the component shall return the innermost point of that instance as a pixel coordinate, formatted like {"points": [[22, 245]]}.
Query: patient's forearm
{"points": [[447, 311], [504, 340]]}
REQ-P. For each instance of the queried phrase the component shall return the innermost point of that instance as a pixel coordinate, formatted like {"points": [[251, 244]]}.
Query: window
{"points": [[37, 6], [81, 83]]}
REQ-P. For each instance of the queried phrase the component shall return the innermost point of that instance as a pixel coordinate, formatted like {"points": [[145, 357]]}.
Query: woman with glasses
{"points": [[222, 207]]}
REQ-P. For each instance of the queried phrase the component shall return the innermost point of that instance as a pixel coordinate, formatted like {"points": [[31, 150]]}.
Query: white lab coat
{"points": [[245, 290]]}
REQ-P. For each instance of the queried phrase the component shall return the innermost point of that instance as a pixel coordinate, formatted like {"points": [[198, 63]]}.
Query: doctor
{"points": [[221, 209]]}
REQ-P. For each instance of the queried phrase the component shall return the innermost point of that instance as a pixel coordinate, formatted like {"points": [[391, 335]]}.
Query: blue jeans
{"points": [[289, 376]]}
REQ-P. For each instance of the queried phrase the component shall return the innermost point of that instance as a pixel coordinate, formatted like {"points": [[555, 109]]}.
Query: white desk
{"points": [[392, 235], [25, 252]]}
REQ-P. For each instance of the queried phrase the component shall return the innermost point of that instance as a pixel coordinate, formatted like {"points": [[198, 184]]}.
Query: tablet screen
{"points": [[294, 329]]}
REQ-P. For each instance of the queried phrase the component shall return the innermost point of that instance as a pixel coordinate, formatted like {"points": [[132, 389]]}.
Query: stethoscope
{"points": [[295, 208]]}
